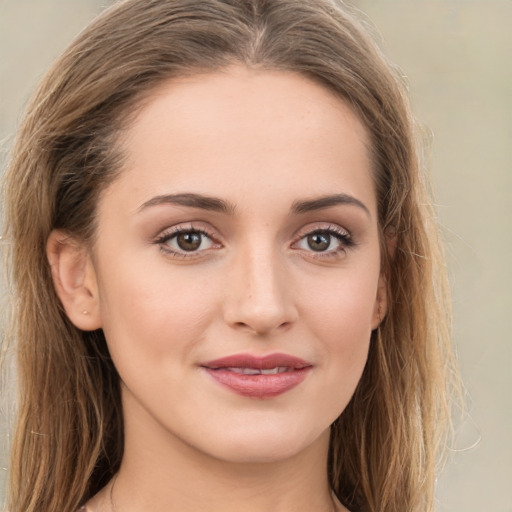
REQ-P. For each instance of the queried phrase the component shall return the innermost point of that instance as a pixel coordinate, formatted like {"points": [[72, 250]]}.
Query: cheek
{"points": [[341, 306], [154, 315], [339, 314]]}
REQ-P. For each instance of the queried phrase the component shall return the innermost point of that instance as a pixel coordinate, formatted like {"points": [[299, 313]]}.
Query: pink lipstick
{"points": [[258, 377]]}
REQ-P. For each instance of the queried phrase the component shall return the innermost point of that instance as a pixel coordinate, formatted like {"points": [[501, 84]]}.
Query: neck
{"points": [[161, 473], [191, 484]]}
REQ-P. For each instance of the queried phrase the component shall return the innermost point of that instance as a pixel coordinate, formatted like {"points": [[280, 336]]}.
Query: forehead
{"points": [[241, 129]]}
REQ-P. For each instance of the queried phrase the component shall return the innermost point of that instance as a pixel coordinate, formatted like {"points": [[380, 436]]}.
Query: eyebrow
{"points": [[326, 202], [192, 200], [219, 205]]}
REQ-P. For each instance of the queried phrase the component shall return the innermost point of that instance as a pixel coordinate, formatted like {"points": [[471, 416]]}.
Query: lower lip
{"points": [[259, 386]]}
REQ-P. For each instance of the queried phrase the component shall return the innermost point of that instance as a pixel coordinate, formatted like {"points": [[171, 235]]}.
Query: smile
{"points": [[258, 377], [256, 371]]}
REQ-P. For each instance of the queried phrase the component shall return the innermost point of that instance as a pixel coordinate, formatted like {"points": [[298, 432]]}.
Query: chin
{"points": [[265, 444]]}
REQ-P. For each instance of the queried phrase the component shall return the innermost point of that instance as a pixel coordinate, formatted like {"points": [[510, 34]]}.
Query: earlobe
{"points": [[381, 303], [74, 278]]}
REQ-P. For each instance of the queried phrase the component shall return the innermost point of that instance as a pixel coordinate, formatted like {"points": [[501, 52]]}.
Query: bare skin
{"points": [[276, 252]]}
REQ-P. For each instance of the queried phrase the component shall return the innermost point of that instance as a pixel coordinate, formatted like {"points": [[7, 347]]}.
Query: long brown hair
{"points": [[69, 436]]}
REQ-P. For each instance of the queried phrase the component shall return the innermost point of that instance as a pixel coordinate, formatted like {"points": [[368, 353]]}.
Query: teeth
{"points": [[273, 371], [255, 371], [250, 371], [244, 371]]}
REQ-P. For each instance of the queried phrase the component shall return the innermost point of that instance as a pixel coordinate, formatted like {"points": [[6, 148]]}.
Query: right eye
{"points": [[185, 241]]}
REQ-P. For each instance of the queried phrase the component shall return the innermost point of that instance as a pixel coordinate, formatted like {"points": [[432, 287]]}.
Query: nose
{"points": [[260, 294]]}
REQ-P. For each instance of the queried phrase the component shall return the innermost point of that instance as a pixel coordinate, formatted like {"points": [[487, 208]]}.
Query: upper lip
{"points": [[258, 362]]}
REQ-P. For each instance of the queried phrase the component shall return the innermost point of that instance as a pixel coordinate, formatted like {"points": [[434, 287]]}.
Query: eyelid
{"points": [[321, 226], [174, 231], [342, 234]]}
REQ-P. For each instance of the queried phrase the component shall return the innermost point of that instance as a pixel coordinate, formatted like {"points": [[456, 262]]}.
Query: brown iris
{"points": [[189, 241], [319, 241]]}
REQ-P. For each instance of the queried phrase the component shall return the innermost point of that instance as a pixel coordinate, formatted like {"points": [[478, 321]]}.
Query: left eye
{"points": [[323, 241], [188, 241]]}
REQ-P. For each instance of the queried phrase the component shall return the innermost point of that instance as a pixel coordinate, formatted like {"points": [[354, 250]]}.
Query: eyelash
{"points": [[346, 242], [174, 232], [344, 238]]}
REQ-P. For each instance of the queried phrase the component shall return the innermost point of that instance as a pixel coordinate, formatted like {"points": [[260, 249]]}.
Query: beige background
{"points": [[457, 55]]}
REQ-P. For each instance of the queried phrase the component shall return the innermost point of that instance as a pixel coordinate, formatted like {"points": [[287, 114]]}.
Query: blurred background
{"points": [[457, 55]]}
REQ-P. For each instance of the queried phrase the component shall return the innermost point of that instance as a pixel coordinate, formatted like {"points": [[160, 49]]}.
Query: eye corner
{"points": [[333, 241], [187, 242]]}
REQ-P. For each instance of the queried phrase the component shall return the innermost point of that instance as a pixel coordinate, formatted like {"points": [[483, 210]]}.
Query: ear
{"points": [[380, 307], [381, 300], [74, 279]]}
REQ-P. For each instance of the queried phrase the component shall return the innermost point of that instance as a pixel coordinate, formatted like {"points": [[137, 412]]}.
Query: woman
{"points": [[229, 290]]}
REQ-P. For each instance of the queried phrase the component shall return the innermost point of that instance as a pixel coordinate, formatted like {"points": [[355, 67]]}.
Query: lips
{"points": [[258, 377]]}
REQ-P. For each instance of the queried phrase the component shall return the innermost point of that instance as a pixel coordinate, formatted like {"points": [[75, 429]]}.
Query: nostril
{"points": [[261, 329], [268, 309], [242, 326]]}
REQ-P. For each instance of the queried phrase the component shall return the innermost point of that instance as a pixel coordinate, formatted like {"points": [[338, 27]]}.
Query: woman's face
{"points": [[237, 264]]}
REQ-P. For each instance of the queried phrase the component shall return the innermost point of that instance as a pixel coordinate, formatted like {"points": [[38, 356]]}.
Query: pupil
{"points": [[319, 241], [189, 241]]}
